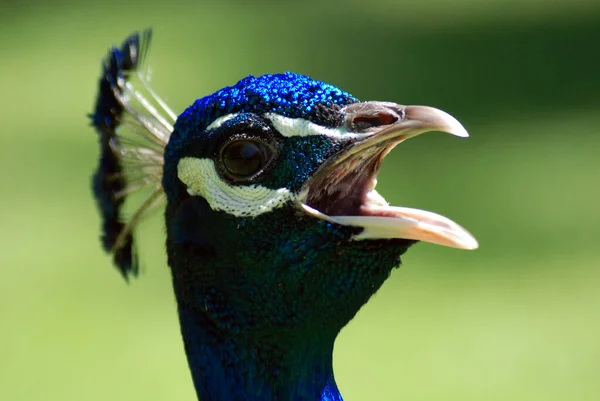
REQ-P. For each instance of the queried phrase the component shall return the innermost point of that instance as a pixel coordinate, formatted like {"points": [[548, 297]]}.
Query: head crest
{"points": [[130, 160]]}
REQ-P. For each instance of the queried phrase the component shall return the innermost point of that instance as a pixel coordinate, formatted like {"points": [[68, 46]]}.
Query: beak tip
{"points": [[432, 119], [469, 242], [453, 126], [472, 246], [460, 132]]}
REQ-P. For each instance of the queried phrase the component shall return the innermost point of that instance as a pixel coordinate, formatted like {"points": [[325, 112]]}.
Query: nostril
{"points": [[364, 122]]}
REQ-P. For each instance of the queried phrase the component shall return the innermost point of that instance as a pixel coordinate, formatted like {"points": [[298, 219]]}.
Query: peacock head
{"points": [[273, 219]]}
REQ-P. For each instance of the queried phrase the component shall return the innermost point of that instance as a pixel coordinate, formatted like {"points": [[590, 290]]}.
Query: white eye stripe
{"points": [[201, 179], [299, 127], [296, 127], [219, 121]]}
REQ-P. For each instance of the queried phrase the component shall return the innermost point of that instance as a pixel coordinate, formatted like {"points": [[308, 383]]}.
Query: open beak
{"points": [[343, 190]]}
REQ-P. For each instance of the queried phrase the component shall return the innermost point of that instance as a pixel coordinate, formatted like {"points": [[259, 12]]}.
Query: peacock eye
{"points": [[244, 158]]}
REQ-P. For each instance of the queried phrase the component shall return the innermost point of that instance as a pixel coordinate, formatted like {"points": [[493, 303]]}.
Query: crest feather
{"points": [[133, 134]]}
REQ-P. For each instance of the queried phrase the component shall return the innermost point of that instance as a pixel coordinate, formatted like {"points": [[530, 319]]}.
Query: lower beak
{"points": [[349, 178]]}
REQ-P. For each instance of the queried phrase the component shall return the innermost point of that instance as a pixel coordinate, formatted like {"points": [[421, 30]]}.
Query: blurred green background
{"points": [[518, 319]]}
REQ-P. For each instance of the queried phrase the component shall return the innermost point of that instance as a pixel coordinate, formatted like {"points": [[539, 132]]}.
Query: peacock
{"points": [[275, 233]]}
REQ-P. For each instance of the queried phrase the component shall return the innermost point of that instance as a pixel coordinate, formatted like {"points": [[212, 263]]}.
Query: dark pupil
{"points": [[244, 158]]}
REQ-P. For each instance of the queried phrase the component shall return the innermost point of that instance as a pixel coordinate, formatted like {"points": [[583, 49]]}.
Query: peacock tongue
{"points": [[343, 190]]}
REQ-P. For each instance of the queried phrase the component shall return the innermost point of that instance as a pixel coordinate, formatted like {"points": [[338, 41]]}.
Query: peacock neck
{"points": [[231, 365]]}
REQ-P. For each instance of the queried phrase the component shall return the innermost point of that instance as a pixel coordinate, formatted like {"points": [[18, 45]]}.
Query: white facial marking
{"points": [[219, 121], [201, 178], [290, 127]]}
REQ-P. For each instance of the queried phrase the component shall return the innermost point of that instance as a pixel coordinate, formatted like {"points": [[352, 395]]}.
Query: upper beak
{"points": [[385, 124], [378, 127]]}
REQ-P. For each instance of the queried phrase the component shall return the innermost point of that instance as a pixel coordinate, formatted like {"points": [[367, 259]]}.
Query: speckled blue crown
{"points": [[289, 94]]}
